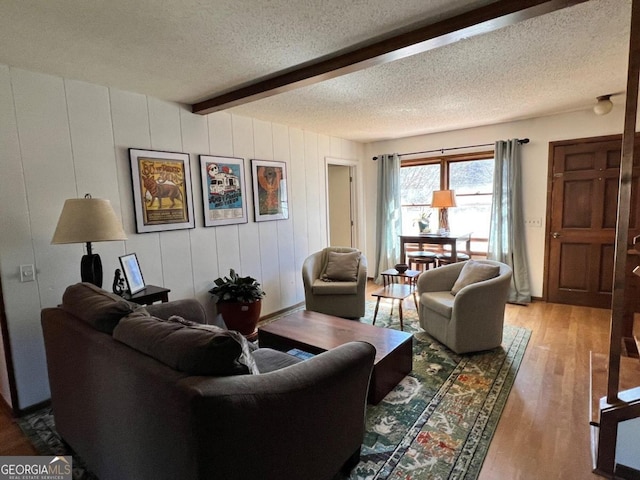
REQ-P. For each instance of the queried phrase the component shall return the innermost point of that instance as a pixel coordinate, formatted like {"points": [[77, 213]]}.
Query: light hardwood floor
{"points": [[544, 429], [12, 440]]}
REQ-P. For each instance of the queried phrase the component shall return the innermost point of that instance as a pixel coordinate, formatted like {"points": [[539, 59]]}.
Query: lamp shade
{"points": [[88, 220], [443, 199]]}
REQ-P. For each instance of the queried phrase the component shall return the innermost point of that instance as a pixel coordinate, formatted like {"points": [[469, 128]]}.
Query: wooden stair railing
{"points": [[619, 406], [629, 381], [610, 417], [604, 418]]}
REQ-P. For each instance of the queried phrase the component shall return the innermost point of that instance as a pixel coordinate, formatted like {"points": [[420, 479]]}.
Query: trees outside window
{"points": [[471, 176], [416, 186]]}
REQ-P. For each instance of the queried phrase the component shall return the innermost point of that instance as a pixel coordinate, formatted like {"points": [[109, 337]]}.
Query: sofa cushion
{"points": [[269, 360], [474, 272], [194, 351], [439, 302], [321, 287], [341, 267], [99, 308]]}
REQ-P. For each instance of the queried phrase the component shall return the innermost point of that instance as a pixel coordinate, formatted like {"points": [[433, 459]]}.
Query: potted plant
{"points": [[423, 222], [239, 300]]}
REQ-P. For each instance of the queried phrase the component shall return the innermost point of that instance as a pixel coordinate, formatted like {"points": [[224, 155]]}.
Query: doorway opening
{"points": [[342, 209]]}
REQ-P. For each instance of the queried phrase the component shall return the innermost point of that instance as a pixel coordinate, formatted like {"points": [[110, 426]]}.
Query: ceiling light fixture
{"points": [[603, 106]]}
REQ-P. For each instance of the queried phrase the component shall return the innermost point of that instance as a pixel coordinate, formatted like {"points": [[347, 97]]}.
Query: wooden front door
{"points": [[582, 213]]}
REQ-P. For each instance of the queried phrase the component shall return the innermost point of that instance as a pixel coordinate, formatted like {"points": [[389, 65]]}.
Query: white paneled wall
{"points": [[63, 138]]}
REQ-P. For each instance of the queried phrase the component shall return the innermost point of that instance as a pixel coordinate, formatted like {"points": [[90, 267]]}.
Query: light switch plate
{"points": [[27, 273], [533, 222]]}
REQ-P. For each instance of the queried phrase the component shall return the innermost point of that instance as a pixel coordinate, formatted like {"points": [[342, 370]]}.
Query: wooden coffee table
{"points": [[316, 332]]}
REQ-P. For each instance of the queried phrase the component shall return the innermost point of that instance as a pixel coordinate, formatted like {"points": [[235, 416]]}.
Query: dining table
{"points": [[435, 239]]}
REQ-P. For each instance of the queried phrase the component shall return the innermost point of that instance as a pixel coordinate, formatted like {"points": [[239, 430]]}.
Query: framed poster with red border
{"points": [[270, 198]]}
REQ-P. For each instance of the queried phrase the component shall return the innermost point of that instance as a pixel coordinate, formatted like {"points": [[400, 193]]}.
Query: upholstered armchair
{"points": [[472, 317], [335, 281]]}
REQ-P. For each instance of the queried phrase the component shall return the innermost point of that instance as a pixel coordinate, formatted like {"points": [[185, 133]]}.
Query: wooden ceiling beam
{"points": [[476, 22]]}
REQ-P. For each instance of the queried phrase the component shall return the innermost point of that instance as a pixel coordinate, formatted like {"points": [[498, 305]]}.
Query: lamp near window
{"points": [[86, 220], [443, 199]]}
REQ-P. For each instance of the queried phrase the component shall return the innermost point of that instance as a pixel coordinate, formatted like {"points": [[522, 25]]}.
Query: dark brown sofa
{"points": [[130, 416]]}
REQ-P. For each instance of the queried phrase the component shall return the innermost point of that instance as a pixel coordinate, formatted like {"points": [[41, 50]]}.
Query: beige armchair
{"points": [[342, 296], [473, 318]]}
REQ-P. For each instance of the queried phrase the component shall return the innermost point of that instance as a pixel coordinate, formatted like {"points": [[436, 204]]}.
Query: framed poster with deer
{"points": [[162, 194]]}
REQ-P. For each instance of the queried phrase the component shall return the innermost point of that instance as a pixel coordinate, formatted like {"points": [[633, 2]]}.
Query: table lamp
{"points": [[443, 199], [86, 220]]}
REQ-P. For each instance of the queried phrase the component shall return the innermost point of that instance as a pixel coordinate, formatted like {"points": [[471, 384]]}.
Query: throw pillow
{"points": [[99, 308], [181, 347], [341, 267], [474, 272], [247, 355]]}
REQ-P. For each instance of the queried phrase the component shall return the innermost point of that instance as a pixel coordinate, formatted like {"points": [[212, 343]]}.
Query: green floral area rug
{"points": [[439, 421]]}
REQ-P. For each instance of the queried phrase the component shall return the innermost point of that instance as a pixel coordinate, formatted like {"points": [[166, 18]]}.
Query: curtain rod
{"points": [[521, 141]]}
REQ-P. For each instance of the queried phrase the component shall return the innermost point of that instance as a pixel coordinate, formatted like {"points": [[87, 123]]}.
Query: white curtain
{"points": [[388, 214], [506, 234]]}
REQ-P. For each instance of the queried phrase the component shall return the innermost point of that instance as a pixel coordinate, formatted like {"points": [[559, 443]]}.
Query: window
{"points": [[471, 176], [417, 182]]}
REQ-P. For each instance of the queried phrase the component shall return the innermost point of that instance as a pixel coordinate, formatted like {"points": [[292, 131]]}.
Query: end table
{"points": [[150, 294], [394, 290], [409, 276]]}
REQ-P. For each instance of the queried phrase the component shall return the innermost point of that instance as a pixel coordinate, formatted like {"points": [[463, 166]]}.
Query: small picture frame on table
{"points": [[132, 273]]}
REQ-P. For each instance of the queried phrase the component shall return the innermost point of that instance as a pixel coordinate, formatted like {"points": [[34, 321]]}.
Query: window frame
{"points": [[445, 162]]}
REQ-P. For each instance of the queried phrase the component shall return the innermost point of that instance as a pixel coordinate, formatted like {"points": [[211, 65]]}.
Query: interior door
{"points": [[582, 220], [340, 195]]}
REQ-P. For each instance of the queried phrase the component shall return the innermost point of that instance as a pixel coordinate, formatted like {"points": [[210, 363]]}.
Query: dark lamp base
{"points": [[91, 269]]}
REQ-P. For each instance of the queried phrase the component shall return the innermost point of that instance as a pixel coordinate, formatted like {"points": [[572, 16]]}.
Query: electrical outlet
{"points": [[533, 222], [27, 273]]}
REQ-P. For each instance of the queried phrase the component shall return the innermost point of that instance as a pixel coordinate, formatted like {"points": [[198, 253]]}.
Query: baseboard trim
{"points": [[19, 412], [626, 473], [281, 312]]}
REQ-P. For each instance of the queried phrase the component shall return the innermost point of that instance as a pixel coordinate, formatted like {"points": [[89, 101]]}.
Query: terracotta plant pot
{"points": [[240, 316]]}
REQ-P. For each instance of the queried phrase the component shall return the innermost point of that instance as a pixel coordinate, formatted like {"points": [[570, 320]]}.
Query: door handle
{"points": [[555, 234]]}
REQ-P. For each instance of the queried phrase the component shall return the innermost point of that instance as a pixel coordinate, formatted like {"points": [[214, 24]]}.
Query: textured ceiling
{"points": [[187, 50]]}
